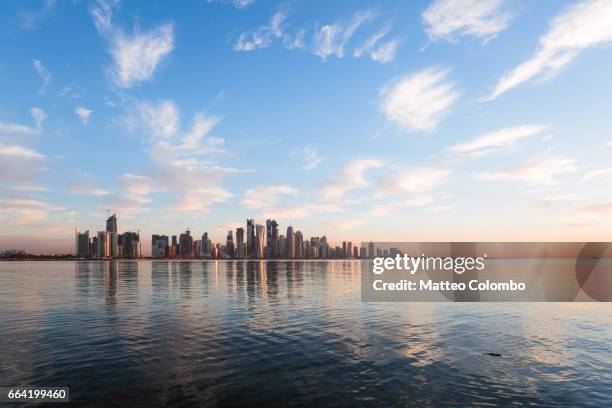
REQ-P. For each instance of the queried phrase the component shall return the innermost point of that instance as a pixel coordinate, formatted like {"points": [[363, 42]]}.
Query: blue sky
{"points": [[443, 120]]}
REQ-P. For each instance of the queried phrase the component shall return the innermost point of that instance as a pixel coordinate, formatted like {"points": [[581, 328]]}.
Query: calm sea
{"points": [[279, 334]]}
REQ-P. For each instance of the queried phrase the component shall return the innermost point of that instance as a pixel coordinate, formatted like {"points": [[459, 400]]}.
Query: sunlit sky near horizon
{"points": [[389, 121]]}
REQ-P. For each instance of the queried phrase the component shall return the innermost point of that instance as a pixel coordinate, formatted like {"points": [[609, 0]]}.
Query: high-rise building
{"points": [[229, 244], [299, 244], [272, 239], [82, 244], [240, 251], [103, 244], [130, 243], [349, 250], [159, 246], [290, 245], [250, 237], [371, 250], [111, 224], [281, 245], [186, 245], [260, 238]]}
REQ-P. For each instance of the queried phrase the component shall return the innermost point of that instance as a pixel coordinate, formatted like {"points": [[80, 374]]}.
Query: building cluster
{"points": [[256, 241], [108, 243]]}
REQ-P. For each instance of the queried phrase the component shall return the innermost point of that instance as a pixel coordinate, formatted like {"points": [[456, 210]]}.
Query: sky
{"points": [[449, 120]]}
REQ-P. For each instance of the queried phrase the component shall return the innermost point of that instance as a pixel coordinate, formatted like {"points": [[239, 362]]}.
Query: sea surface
{"points": [[283, 334]]}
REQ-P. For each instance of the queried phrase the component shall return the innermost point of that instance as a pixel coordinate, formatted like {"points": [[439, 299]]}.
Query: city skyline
{"points": [[372, 121], [260, 242]]}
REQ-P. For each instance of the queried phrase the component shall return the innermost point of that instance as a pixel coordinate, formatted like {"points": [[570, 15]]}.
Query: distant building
{"points": [[371, 250], [159, 246], [229, 244], [186, 245], [103, 244], [290, 243], [131, 245], [259, 241], [240, 245], [299, 244], [82, 244], [250, 239]]}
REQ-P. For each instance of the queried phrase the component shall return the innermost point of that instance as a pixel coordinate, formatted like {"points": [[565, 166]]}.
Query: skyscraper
{"points": [[111, 228], [272, 239], [229, 244], [299, 244], [82, 243], [240, 246], [130, 244], [103, 244], [290, 245], [259, 241], [159, 246], [371, 250], [186, 244], [250, 237]]}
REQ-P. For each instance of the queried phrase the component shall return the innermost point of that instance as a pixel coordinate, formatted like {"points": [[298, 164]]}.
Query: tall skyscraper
{"points": [[186, 245], [103, 244], [272, 239], [159, 246], [299, 244], [130, 243], [229, 244], [207, 248], [260, 238], [82, 243], [250, 237], [240, 245], [111, 228], [290, 245]]}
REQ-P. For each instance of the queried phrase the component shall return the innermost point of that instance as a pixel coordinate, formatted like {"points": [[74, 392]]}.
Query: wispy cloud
{"points": [[595, 174], [499, 139], [266, 196], [26, 211], [343, 225], [29, 20], [266, 34], [541, 170], [418, 102], [412, 181], [239, 4], [482, 19], [580, 26], [137, 55], [87, 188], [83, 113], [331, 39], [8, 129], [382, 53], [299, 211], [310, 157], [349, 177], [44, 74]]}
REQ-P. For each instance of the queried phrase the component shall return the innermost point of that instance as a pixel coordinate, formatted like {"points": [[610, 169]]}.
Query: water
{"points": [[281, 334]]}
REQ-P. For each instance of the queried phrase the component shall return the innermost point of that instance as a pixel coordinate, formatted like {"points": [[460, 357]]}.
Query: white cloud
{"points": [[349, 177], [39, 116], [590, 215], [161, 122], [413, 181], [264, 35], [502, 138], [419, 101], [102, 14], [19, 163], [541, 170], [482, 19], [83, 113], [609, 143], [239, 4], [44, 74], [296, 41], [580, 26], [137, 184], [382, 53], [25, 211], [266, 196], [136, 56], [592, 175], [330, 39], [87, 188], [310, 156], [182, 159]]}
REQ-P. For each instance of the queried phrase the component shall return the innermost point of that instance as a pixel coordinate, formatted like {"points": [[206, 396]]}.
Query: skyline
{"points": [[380, 122], [249, 241]]}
